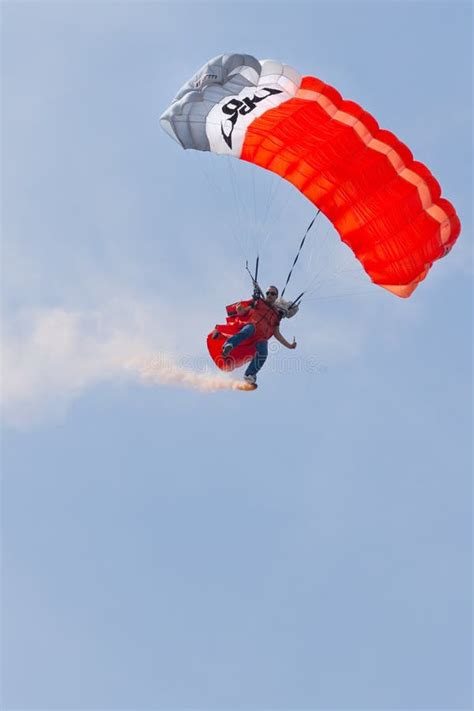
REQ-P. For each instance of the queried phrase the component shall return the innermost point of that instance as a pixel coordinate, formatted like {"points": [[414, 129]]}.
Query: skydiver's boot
{"points": [[251, 379], [227, 349]]}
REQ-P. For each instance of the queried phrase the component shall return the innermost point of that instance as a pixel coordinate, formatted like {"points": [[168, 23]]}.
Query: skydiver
{"points": [[263, 321]]}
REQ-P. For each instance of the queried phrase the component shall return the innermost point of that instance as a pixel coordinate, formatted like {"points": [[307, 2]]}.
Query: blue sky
{"points": [[306, 546]]}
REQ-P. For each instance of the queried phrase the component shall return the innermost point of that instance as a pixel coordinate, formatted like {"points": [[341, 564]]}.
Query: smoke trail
{"points": [[161, 370], [51, 356]]}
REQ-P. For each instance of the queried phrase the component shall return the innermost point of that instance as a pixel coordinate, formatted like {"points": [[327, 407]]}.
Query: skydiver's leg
{"points": [[245, 332], [259, 358]]}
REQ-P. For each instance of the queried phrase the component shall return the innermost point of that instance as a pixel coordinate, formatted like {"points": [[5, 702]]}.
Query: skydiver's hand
{"points": [[293, 345]]}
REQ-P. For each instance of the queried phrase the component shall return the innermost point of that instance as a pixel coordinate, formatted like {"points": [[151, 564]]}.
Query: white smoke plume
{"points": [[51, 356], [161, 370]]}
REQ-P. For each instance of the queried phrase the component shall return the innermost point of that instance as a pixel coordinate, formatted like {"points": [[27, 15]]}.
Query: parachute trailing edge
{"points": [[386, 206]]}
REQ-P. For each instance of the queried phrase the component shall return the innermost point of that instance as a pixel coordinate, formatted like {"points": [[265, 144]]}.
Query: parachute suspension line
{"points": [[256, 268], [314, 282], [219, 193], [244, 211], [257, 292], [366, 292], [278, 212], [296, 301], [298, 254], [326, 275], [239, 211], [256, 226], [268, 201]]}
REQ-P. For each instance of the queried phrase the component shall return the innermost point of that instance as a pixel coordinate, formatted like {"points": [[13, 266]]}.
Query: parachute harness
{"points": [[257, 291]]}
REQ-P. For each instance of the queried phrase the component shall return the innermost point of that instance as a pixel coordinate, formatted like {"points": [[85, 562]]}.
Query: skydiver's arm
{"points": [[281, 339]]}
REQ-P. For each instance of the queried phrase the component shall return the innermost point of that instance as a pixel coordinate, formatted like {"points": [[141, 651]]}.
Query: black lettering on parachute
{"points": [[234, 107]]}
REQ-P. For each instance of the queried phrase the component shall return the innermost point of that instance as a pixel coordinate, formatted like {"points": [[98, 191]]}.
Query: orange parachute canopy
{"points": [[385, 205]]}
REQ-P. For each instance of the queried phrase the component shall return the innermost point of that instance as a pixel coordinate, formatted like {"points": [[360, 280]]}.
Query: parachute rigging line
{"points": [[257, 292], [297, 301], [219, 194], [298, 254]]}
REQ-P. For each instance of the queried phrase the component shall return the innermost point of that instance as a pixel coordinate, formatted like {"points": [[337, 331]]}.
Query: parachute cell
{"points": [[386, 206]]}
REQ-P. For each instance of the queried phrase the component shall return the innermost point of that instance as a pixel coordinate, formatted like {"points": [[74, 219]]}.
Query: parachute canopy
{"points": [[386, 206]]}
